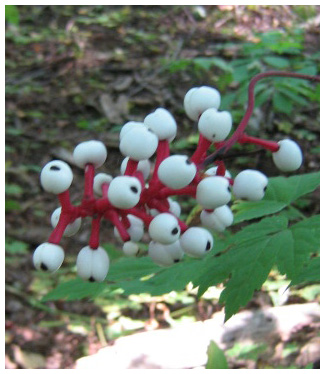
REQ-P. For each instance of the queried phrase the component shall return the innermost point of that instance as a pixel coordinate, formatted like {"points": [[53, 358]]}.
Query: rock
{"points": [[185, 346]]}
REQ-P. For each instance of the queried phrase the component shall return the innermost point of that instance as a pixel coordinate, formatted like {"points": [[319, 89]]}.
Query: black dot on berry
{"points": [[208, 246], [91, 279], [134, 189], [175, 231], [188, 161], [54, 168], [44, 267], [265, 188], [229, 189], [213, 135]]}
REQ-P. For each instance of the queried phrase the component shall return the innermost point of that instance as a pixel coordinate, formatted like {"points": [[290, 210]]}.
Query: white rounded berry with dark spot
{"points": [[214, 125], [196, 242], [56, 177], [164, 228], [213, 192], [250, 185], [165, 255], [48, 257], [92, 264], [176, 171], [124, 192]]}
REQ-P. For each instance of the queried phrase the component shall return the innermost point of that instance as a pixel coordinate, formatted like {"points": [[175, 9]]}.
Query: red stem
{"points": [[115, 219], [201, 149], [89, 182], [251, 99], [95, 231], [162, 153], [131, 167], [267, 144], [57, 233], [221, 170]]}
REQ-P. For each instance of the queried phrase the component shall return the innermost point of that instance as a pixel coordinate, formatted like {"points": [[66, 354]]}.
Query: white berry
{"points": [[174, 207], [144, 166], [164, 228], [136, 229], [214, 125], [92, 264], [139, 143], [90, 152], [130, 249], [199, 99], [213, 172], [129, 126], [218, 220], [162, 123], [99, 180], [176, 171], [165, 255], [213, 192], [48, 257], [250, 185], [56, 177], [72, 227], [124, 192], [196, 241], [289, 156]]}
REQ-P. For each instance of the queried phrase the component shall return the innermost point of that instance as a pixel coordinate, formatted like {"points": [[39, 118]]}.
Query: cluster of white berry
{"points": [[139, 199]]}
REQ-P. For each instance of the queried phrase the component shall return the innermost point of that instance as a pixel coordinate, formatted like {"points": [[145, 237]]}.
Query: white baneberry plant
{"points": [[141, 202]]}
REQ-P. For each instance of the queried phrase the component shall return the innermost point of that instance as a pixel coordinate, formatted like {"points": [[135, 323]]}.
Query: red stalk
{"points": [[162, 153], [131, 167], [251, 99], [89, 182], [201, 149], [57, 233], [95, 231], [267, 144]]}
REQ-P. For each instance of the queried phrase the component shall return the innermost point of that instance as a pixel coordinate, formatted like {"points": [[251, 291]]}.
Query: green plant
{"points": [[241, 261]]}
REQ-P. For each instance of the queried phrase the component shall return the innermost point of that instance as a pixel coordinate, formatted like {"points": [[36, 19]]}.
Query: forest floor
{"points": [[74, 73]]}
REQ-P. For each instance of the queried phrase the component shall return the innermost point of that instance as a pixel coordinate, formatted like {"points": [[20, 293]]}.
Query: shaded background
{"points": [[76, 73]]}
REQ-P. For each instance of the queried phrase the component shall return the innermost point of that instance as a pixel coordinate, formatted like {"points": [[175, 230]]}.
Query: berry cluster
{"points": [[140, 198]]}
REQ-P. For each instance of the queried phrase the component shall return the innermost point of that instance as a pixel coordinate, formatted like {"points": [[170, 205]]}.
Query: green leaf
{"points": [[304, 240], [208, 62], [277, 62], [310, 273], [75, 289], [12, 14], [281, 103], [255, 260], [216, 357], [16, 247]]}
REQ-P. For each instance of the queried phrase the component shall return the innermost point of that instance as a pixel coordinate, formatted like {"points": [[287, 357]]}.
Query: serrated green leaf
{"points": [[310, 273], [216, 357], [129, 268], [305, 239], [255, 260], [75, 289]]}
